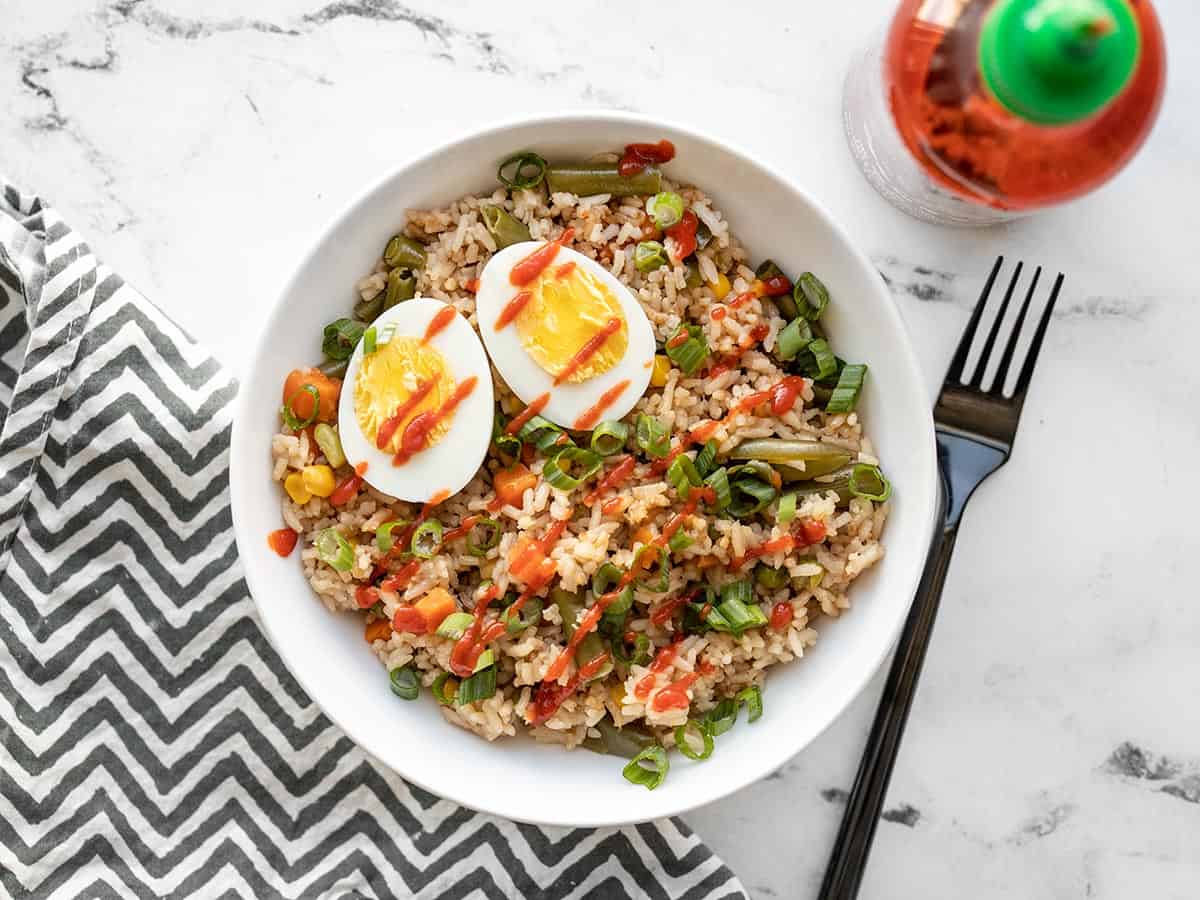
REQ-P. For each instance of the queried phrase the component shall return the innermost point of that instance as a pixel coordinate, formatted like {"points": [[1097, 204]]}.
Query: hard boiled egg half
{"points": [[571, 338], [417, 408]]}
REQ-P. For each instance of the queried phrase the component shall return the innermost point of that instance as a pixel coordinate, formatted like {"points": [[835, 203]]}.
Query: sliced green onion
{"points": [[706, 459], [340, 338], [683, 475], [455, 625], [752, 697], [683, 740], [557, 470], [368, 340], [713, 620], [721, 717], [441, 687], [679, 541], [403, 252], [738, 607], [718, 480], [609, 438], [649, 255], [741, 591], [648, 768], [427, 539], [666, 209], [490, 530], [690, 355], [869, 483], [401, 286], [751, 488], [486, 658], [794, 337], [383, 535], [787, 508], [334, 550], [529, 614], [542, 433], [508, 444], [522, 170], [656, 578], [330, 444], [569, 607], [480, 685], [504, 228], [639, 657], [811, 296], [817, 360], [771, 578], [652, 436], [845, 396], [405, 683], [605, 578], [288, 411]]}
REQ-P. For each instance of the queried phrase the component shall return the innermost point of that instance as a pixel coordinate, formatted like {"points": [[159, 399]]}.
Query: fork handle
{"points": [[865, 803]]}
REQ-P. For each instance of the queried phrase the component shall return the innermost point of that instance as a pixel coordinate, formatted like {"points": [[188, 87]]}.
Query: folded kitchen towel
{"points": [[152, 744]]}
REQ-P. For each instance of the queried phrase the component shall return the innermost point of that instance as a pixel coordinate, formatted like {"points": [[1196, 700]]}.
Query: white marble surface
{"points": [[199, 145]]}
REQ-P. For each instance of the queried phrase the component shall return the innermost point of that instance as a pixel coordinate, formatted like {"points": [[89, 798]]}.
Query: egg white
{"points": [[526, 378], [451, 462]]}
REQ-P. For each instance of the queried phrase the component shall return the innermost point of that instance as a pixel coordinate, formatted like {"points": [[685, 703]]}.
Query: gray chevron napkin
{"points": [[152, 744]]}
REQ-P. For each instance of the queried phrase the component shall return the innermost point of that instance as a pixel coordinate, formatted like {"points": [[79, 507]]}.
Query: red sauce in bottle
{"points": [[439, 323], [592, 415], [638, 156], [283, 541], [588, 350], [388, 429], [416, 433], [533, 409], [512, 309]]}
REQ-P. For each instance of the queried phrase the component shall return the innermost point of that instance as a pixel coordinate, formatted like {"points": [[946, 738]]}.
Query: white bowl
{"points": [[518, 778]]}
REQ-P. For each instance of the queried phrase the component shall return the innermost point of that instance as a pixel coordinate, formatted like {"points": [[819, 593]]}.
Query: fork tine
{"points": [[1011, 348], [959, 362], [985, 354], [1036, 345]]}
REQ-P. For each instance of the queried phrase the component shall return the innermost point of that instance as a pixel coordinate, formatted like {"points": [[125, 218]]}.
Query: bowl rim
{"points": [[772, 759]]}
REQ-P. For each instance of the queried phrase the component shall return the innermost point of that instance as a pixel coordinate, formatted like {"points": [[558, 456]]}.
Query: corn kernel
{"points": [[658, 375], [617, 692], [757, 288], [294, 485], [318, 480], [721, 287]]}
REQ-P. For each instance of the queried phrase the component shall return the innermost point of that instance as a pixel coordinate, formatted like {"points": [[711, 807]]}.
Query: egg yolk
{"points": [[388, 379], [567, 309]]}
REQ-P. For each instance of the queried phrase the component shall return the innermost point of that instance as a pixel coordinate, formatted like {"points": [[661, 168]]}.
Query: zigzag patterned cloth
{"points": [[152, 744]]}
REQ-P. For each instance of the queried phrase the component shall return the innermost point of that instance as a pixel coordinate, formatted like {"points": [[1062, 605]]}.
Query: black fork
{"points": [[975, 432]]}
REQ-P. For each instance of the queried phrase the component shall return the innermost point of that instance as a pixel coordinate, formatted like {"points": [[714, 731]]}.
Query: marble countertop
{"points": [[1054, 750]]}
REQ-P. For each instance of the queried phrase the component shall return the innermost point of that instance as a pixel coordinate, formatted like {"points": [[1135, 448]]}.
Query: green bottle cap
{"points": [[1053, 62]]}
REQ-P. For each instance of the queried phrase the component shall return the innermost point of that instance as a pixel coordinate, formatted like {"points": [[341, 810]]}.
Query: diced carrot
{"points": [[525, 558], [812, 530], [435, 606], [643, 535], [301, 401], [379, 630], [511, 484]]}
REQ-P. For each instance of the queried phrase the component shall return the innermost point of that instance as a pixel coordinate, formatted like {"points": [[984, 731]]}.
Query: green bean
{"points": [[586, 179], [404, 252], [627, 742], [369, 310], [569, 607], [816, 458], [589, 648], [692, 279], [401, 286], [334, 368], [503, 226], [840, 485]]}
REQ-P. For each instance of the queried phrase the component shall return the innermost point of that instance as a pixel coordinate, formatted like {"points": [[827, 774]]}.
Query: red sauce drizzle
{"points": [[549, 697], [766, 548], [698, 434], [401, 544], [662, 661], [565, 269], [512, 309], [518, 422], [664, 613], [439, 323], [346, 491], [718, 313], [399, 580], [675, 695], [756, 335], [615, 478], [678, 341], [535, 263], [681, 237], [469, 647], [388, 428], [416, 434], [742, 299], [784, 394], [361, 469], [777, 286], [592, 415], [613, 506], [366, 596], [588, 350], [282, 541], [781, 615], [462, 530], [472, 286], [813, 531], [637, 156]]}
